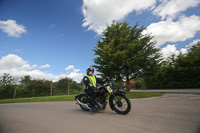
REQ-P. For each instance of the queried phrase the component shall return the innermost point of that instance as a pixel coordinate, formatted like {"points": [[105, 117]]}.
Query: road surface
{"points": [[177, 91], [171, 113]]}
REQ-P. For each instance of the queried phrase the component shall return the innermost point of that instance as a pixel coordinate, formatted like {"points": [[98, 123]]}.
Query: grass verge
{"points": [[130, 95]]}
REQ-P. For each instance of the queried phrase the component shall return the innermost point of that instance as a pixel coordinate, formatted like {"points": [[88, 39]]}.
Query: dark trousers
{"points": [[92, 94]]}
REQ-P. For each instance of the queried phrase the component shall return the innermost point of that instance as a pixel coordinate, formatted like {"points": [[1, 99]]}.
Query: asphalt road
{"points": [[177, 91], [171, 113]]}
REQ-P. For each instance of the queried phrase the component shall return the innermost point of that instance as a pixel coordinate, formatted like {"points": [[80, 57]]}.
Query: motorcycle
{"points": [[118, 100]]}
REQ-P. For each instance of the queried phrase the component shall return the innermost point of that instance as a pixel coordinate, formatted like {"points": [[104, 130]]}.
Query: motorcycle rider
{"points": [[91, 89]]}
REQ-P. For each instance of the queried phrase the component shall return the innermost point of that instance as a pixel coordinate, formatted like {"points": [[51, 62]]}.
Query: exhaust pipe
{"points": [[82, 103]]}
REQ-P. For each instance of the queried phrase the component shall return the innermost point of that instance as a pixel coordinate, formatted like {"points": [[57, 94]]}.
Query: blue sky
{"points": [[52, 39]]}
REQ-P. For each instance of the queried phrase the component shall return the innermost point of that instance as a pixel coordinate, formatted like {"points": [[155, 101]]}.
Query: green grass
{"points": [[130, 95], [40, 99], [133, 95]]}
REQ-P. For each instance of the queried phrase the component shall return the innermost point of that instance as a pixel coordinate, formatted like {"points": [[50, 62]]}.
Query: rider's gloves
{"points": [[90, 85]]}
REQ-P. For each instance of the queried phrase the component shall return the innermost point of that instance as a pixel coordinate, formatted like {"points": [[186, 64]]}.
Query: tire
{"points": [[120, 104], [82, 99]]}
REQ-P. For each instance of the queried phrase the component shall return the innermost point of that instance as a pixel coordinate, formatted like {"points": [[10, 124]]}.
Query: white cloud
{"points": [[27, 67], [45, 66], [12, 28], [170, 50], [74, 73], [98, 13], [170, 31], [11, 61], [192, 43], [69, 67], [171, 8], [183, 50], [76, 70], [17, 67]]}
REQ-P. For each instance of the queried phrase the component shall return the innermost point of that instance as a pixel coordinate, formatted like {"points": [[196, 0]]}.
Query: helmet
{"points": [[89, 69]]}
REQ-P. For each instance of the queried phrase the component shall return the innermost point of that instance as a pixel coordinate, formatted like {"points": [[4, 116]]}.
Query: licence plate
{"points": [[109, 89]]}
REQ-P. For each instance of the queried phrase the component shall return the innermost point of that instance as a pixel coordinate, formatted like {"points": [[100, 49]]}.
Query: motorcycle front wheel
{"points": [[120, 104]]}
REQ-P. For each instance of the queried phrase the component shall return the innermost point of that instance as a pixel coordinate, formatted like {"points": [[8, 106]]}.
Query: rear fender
{"points": [[82, 93]]}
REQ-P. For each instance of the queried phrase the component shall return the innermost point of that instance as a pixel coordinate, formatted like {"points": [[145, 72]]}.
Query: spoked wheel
{"points": [[82, 99], [120, 104]]}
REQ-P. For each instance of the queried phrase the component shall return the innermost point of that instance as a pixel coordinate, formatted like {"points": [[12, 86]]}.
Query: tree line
{"points": [[182, 71], [125, 53], [27, 87]]}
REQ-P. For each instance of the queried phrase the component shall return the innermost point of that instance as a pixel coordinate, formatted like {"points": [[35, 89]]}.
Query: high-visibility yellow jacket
{"points": [[91, 81]]}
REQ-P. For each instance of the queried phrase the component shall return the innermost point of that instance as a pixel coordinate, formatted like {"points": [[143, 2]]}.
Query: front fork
{"points": [[114, 98]]}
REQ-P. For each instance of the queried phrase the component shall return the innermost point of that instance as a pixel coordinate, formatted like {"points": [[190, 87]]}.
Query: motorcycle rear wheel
{"points": [[82, 99]]}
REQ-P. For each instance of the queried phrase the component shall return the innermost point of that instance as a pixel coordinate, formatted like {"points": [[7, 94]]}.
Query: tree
{"points": [[124, 52], [188, 68], [26, 79], [6, 79], [38, 88], [62, 85], [193, 57], [180, 71], [7, 87]]}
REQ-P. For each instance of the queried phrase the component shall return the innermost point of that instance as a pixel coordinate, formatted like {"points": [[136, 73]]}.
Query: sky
{"points": [[53, 39]]}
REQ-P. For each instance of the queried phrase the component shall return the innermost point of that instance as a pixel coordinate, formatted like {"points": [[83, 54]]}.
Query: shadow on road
{"points": [[1, 130], [198, 130], [90, 112]]}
